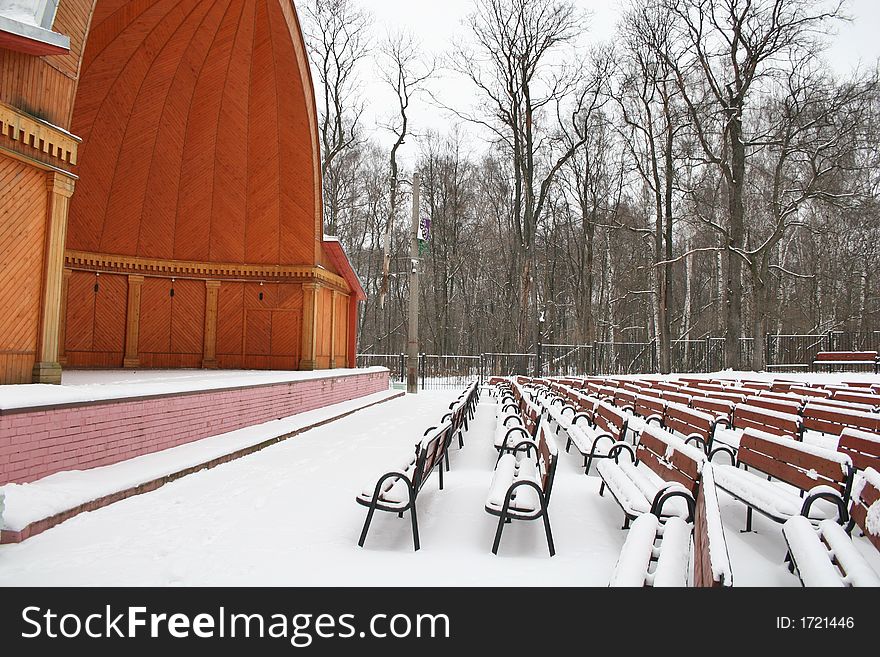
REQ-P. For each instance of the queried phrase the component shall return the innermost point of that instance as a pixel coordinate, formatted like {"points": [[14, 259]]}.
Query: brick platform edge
{"points": [[37, 442], [7, 536]]}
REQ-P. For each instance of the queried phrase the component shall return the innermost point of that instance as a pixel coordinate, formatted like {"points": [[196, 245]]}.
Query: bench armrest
{"points": [[618, 447], [667, 492], [829, 494]]}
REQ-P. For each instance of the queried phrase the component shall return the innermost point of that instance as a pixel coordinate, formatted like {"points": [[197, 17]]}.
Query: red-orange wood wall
{"points": [[22, 233]]}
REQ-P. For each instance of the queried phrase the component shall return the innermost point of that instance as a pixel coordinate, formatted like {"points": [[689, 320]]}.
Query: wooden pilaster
{"points": [[310, 323], [212, 294], [133, 321], [62, 328], [60, 188], [334, 327]]}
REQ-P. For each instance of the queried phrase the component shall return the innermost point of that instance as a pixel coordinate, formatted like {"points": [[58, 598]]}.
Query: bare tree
{"points": [[727, 48], [404, 69], [338, 39]]}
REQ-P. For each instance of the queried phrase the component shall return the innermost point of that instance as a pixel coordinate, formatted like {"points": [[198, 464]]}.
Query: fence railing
{"points": [[783, 353]]}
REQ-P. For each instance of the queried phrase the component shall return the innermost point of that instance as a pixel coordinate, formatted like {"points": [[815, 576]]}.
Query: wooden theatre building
{"points": [[160, 191]]}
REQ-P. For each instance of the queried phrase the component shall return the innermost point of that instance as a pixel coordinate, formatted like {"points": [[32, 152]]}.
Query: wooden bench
{"points": [[846, 359], [862, 447], [654, 553], [805, 474], [661, 478], [692, 424], [650, 408], [825, 555], [746, 416], [521, 487], [594, 435], [720, 408], [712, 566], [818, 416], [398, 490]]}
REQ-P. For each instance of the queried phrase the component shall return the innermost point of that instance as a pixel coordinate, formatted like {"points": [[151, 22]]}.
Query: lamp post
{"points": [[412, 360]]}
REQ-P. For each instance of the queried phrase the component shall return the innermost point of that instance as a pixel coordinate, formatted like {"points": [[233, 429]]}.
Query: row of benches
{"points": [[396, 491], [812, 485], [526, 467]]}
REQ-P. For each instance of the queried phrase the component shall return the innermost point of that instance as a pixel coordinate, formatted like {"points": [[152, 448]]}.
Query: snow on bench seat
{"points": [[825, 476], [525, 499], [825, 555], [662, 477], [635, 488], [641, 551]]}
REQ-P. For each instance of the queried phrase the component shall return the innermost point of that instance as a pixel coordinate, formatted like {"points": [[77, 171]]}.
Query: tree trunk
{"points": [[736, 204]]}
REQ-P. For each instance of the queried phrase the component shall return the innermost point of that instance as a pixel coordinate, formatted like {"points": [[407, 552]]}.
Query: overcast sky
{"points": [[438, 23]]}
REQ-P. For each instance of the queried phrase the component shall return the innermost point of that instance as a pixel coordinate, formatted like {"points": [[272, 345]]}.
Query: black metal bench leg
{"points": [[625, 522], [549, 533], [602, 489], [446, 458], [748, 521], [366, 528], [441, 473], [460, 439], [415, 526], [567, 445], [498, 531], [588, 462]]}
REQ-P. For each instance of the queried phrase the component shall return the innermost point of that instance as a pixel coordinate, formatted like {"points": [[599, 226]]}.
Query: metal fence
{"points": [[783, 353]]}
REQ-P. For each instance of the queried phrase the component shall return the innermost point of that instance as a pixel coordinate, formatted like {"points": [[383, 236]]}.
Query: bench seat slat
{"points": [[635, 555]]}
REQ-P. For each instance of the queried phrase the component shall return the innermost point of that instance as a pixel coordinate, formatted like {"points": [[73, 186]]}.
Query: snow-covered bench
{"points": [[661, 478], [712, 566], [844, 359], [862, 447], [693, 425], [654, 554], [819, 416], [521, 486], [801, 470], [747, 416], [397, 491], [594, 437], [825, 555], [462, 410]]}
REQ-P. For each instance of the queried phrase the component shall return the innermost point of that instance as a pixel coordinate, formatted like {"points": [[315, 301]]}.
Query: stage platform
{"points": [[100, 418]]}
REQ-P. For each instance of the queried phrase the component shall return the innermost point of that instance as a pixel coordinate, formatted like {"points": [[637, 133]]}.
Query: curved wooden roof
{"points": [[199, 134]]}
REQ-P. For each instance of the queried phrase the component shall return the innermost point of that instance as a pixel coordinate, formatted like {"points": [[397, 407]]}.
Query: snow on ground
{"points": [[287, 516], [95, 385]]}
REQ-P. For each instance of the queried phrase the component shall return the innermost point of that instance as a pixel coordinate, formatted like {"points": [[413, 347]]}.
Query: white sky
{"points": [[439, 23]]}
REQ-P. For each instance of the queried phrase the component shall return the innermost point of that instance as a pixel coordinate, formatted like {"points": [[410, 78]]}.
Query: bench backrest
{"points": [[548, 455], [677, 398], [610, 420], [689, 421], [802, 466], [717, 407], [786, 406], [862, 447], [862, 397], [647, 406], [431, 451], [834, 419], [711, 559], [846, 356], [746, 416], [866, 494], [670, 458]]}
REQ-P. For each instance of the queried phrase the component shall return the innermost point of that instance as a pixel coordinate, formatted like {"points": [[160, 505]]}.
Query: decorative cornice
{"points": [[101, 262], [35, 137]]}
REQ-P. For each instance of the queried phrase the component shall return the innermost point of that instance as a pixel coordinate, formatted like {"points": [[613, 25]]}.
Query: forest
{"points": [[705, 173]]}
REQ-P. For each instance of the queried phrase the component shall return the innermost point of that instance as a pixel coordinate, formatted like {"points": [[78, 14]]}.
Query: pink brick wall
{"points": [[37, 443]]}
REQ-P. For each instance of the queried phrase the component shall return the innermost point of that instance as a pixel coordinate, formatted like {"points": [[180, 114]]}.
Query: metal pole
{"points": [[412, 366]]}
